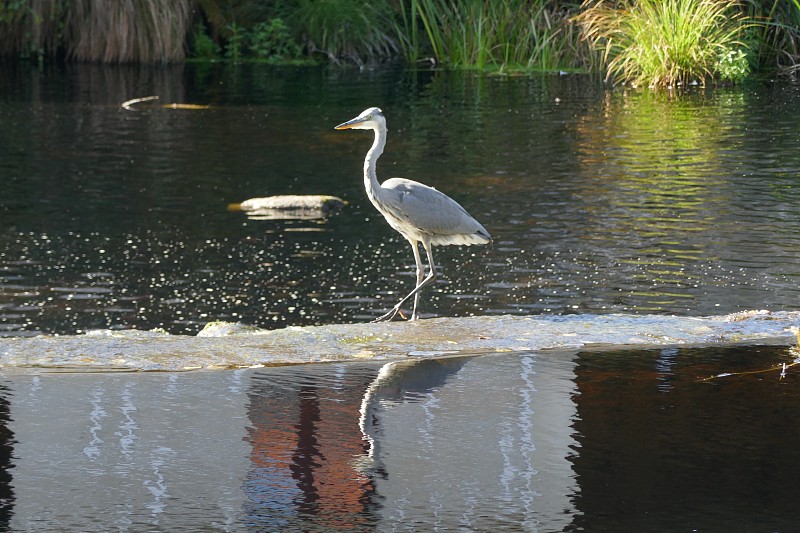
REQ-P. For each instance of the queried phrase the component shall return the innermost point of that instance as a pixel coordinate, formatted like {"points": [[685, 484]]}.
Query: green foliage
{"points": [[220, 15], [273, 39], [30, 30], [732, 65], [236, 39], [353, 30], [776, 33], [482, 34], [664, 42], [356, 30], [203, 46], [651, 42], [13, 10]]}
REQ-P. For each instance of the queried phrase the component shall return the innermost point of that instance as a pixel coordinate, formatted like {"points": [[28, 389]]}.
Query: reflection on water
{"points": [[680, 200], [481, 444], [555, 441], [6, 454], [599, 201], [685, 454], [101, 452], [304, 440]]}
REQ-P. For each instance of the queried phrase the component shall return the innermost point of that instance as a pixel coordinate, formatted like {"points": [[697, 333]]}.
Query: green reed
{"points": [[776, 33], [147, 31], [644, 42], [356, 30], [485, 34], [85, 30], [667, 42]]}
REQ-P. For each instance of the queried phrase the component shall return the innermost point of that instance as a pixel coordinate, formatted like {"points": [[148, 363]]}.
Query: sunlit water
{"points": [[598, 200], [580, 441]]}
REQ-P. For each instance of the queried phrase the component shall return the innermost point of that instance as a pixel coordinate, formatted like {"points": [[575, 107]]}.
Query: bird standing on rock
{"points": [[419, 213]]}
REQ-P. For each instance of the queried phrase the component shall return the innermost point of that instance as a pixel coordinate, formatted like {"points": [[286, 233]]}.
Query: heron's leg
{"points": [[425, 282], [420, 277]]}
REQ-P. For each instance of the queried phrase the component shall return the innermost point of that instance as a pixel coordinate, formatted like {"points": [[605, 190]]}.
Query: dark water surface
{"points": [[598, 200], [581, 441]]}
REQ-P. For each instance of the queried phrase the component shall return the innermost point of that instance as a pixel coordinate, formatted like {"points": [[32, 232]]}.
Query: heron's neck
{"points": [[371, 161]]}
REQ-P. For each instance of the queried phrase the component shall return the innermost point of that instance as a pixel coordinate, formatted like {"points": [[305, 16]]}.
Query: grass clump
{"points": [[355, 31], [122, 32], [341, 31], [776, 34], [481, 34], [642, 42], [667, 42]]}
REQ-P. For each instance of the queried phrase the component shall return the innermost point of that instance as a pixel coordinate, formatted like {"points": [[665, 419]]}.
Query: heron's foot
{"points": [[393, 312]]}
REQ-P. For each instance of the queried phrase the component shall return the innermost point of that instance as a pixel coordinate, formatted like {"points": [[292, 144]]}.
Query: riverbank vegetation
{"points": [[642, 42], [516, 34], [668, 42]]}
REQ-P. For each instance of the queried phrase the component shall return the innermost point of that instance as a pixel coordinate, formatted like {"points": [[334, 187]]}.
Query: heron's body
{"points": [[418, 212]]}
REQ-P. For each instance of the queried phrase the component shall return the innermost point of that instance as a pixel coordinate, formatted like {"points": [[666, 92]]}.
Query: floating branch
{"points": [[794, 350], [185, 106], [774, 368], [129, 104]]}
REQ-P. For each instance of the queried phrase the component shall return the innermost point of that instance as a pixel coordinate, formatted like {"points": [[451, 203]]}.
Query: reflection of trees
{"points": [[304, 437], [655, 164], [655, 182], [660, 451], [467, 127], [310, 465], [659, 203]]}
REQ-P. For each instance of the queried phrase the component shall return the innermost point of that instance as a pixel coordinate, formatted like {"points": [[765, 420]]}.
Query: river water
{"points": [[611, 211], [548, 441], [598, 201]]}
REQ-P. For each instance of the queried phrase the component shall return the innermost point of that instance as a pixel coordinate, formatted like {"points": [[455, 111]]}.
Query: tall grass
{"points": [[487, 34], [96, 30], [646, 42], [666, 42], [142, 31], [355, 30], [30, 28], [777, 33]]}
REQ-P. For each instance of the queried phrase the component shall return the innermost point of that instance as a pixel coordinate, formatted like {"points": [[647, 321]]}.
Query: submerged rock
{"points": [[233, 345], [222, 329], [290, 206]]}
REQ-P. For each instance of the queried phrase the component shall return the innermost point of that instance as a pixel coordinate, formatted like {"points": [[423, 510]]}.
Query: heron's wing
{"points": [[427, 210]]}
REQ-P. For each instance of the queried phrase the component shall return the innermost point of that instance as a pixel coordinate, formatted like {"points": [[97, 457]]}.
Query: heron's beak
{"points": [[350, 123]]}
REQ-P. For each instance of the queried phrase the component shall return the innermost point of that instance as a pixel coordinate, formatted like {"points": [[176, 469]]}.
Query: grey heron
{"points": [[419, 213]]}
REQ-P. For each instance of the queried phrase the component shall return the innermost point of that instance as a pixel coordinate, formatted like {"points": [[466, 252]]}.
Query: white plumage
{"points": [[419, 213]]}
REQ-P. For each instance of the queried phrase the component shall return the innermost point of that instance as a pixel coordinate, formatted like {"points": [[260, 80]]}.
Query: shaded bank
{"points": [[512, 34], [148, 31]]}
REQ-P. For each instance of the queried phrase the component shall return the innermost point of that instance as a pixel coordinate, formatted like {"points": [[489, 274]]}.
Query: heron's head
{"points": [[369, 119]]}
